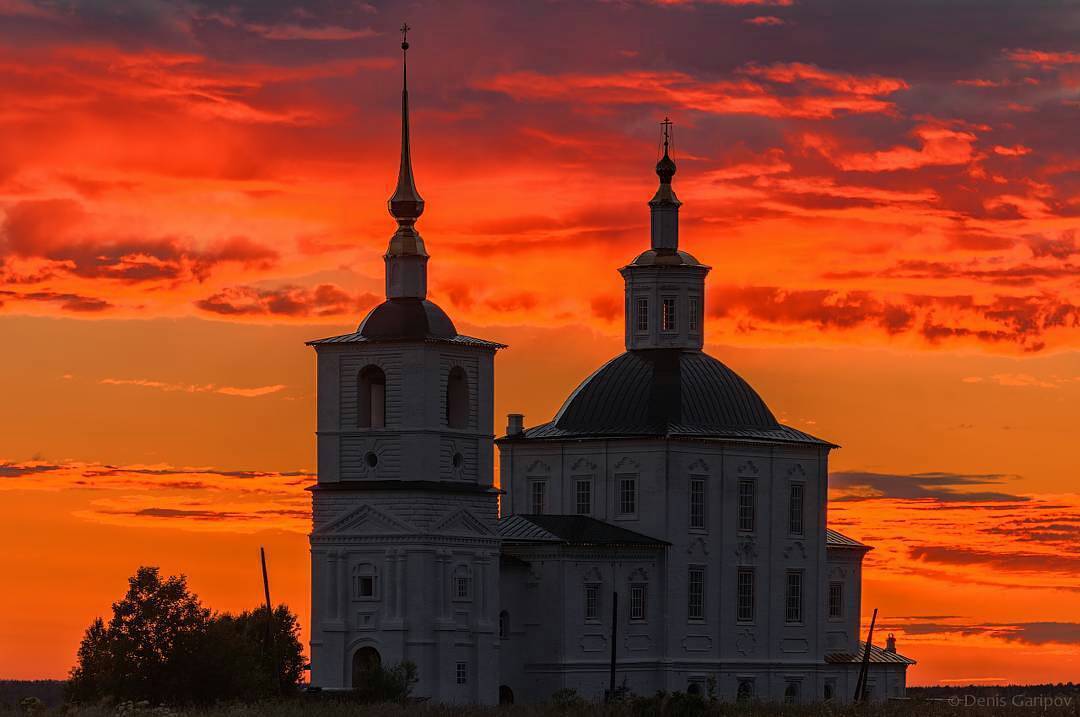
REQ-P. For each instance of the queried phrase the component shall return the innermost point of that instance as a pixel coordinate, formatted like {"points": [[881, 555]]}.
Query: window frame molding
{"points": [[636, 479], [703, 480], [703, 569]]}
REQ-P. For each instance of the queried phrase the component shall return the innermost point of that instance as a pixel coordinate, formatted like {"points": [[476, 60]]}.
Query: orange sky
{"points": [[188, 193]]}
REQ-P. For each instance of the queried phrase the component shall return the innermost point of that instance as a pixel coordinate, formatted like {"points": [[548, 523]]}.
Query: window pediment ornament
{"points": [[639, 576], [797, 471], [593, 575], [796, 548], [698, 466], [699, 545], [627, 463], [748, 468], [538, 466], [745, 551], [583, 464], [746, 642]]}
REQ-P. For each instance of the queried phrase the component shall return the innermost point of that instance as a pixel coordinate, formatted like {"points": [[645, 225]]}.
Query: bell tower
{"points": [[665, 287], [404, 550]]}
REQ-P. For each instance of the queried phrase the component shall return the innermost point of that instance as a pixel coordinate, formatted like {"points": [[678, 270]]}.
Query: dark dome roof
{"points": [[666, 257], [664, 391], [409, 319]]}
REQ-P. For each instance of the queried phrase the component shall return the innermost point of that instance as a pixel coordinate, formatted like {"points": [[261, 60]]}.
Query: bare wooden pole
{"points": [[269, 619], [266, 580], [860, 685], [614, 640]]}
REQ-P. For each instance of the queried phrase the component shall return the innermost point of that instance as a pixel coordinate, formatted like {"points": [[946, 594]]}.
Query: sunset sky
{"points": [[888, 193]]}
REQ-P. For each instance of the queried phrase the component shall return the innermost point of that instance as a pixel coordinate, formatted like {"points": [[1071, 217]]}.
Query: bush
{"points": [[393, 684]]}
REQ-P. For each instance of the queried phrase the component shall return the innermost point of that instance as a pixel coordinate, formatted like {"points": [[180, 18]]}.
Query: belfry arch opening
{"points": [[457, 398], [371, 398]]}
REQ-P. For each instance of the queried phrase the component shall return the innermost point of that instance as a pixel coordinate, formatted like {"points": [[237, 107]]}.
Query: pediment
{"points": [[365, 520], [462, 522]]}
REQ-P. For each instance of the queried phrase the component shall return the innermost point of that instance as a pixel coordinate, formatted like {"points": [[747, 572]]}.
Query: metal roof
{"points": [[357, 338], [669, 393], [407, 319], [570, 530], [834, 539], [878, 655]]}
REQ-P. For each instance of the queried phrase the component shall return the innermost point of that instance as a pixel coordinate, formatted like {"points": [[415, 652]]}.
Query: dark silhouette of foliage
{"points": [[388, 684], [163, 646]]}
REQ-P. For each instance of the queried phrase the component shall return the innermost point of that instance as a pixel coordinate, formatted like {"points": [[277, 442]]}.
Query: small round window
{"points": [[459, 460], [371, 459]]}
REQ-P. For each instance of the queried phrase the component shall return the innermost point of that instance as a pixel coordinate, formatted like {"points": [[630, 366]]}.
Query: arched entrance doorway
{"points": [[506, 695], [364, 661]]}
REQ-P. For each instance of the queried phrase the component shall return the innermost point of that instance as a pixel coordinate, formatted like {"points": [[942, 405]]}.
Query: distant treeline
{"points": [[50, 692]]}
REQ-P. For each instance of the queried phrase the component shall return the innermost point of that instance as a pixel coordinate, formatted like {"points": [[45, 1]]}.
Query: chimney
{"points": [[515, 424], [890, 644]]}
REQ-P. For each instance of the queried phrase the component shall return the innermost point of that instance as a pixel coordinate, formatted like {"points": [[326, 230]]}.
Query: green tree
{"points": [[164, 646]]}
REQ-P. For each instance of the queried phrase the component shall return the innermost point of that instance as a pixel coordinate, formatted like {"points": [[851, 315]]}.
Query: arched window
{"points": [[461, 587], [457, 398], [504, 624], [371, 398], [364, 582], [791, 692], [746, 691]]}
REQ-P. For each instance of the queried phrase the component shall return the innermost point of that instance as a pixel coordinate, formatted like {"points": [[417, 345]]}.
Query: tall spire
{"points": [[664, 206], [406, 257]]}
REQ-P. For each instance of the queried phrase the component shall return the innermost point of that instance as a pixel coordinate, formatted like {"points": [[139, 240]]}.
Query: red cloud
{"points": [[764, 20], [322, 300], [798, 72], [940, 146], [851, 94], [55, 230], [1019, 320], [1043, 57]]}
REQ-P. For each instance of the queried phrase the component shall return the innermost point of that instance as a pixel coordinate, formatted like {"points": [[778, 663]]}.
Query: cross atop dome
{"points": [[406, 256]]}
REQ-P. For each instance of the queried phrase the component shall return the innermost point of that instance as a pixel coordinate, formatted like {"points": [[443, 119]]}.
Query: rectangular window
{"points": [[462, 673], [462, 587], [627, 496], [746, 506], [795, 509], [794, 596], [692, 314], [592, 602], [637, 601], [697, 502], [537, 489], [583, 494], [695, 593], [836, 599], [365, 586], [642, 314], [667, 319], [746, 595]]}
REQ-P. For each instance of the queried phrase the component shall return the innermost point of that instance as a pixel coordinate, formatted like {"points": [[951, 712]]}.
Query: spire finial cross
{"points": [[405, 35], [666, 128]]}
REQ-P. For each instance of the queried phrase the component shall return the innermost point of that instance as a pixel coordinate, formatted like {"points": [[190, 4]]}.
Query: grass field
{"points": [[1031, 701]]}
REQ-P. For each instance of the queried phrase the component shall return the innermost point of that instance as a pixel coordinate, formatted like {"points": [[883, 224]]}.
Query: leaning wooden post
{"points": [[860, 685], [614, 640]]}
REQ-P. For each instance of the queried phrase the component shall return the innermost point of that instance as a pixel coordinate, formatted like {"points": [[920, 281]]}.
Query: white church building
{"points": [[663, 521]]}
